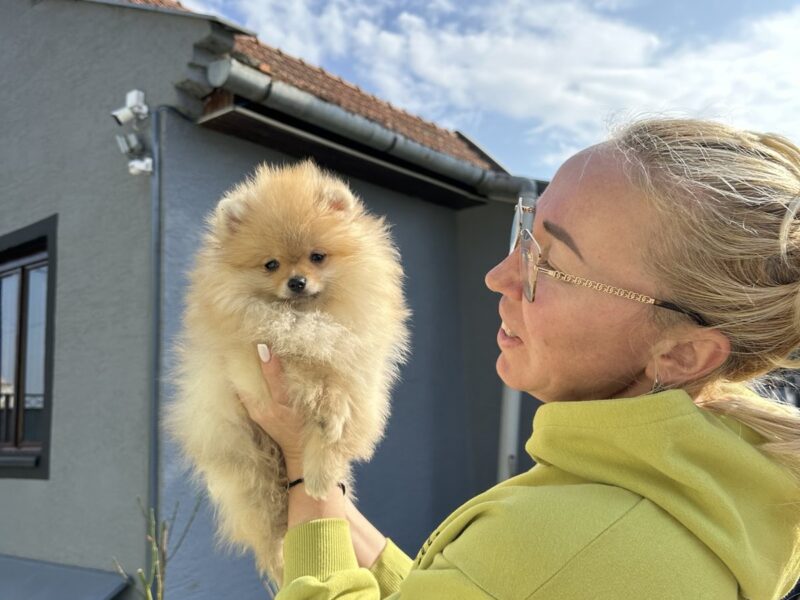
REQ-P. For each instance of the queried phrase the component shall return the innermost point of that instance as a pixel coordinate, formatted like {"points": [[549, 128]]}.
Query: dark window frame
{"points": [[25, 248]]}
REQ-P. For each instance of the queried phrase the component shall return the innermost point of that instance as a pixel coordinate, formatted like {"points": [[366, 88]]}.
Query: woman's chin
{"points": [[506, 372], [517, 377]]}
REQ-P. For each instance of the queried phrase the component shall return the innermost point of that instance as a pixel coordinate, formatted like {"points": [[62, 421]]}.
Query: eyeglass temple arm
{"points": [[696, 317]]}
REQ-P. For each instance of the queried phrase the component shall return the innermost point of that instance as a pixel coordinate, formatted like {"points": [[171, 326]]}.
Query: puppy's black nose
{"points": [[297, 284]]}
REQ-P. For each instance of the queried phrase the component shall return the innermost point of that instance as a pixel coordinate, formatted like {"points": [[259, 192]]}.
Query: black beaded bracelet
{"points": [[296, 481]]}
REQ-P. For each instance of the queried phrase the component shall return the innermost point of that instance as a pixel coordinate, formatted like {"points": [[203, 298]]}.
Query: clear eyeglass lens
{"points": [[528, 264], [515, 228]]}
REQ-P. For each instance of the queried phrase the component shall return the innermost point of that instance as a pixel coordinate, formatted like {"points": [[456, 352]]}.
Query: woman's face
{"points": [[573, 342]]}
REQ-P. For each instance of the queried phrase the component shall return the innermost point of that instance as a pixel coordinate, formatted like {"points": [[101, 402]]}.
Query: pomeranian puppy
{"points": [[290, 258]]}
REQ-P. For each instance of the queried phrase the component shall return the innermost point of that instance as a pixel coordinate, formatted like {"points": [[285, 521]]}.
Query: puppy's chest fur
{"points": [[316, 351], [312, 336]]}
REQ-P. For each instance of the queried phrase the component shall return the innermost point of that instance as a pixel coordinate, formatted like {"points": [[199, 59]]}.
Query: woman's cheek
{"points": [[545, 312]]}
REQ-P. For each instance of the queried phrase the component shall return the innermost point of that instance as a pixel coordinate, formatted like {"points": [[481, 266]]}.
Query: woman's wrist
{"points": [[303, 508], [294, 469]]}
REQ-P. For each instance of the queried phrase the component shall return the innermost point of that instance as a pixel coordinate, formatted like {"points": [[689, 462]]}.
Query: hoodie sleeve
{"points": [[391, 568], [320, 564]]}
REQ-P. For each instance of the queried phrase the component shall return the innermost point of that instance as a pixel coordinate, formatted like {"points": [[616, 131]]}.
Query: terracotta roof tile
{"points": [[161, 4], [350, 97]]}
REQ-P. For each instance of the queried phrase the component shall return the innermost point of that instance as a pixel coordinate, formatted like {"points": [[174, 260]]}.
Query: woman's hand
{"points": [[276, 417], [285, 426]]}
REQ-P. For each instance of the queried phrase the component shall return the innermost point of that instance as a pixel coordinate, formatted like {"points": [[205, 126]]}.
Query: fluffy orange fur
{"points": [[340, 340]]}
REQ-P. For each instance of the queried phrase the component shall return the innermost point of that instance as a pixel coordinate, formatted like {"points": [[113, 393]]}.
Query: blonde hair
{"points": [[727, 246]]}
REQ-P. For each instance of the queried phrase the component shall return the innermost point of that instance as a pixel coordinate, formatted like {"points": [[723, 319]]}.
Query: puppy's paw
{"points": [[332, 428], [319, 484], [323, 466]]}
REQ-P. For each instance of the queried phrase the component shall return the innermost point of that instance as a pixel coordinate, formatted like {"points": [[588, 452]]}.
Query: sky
{"points": [[532, 82]]}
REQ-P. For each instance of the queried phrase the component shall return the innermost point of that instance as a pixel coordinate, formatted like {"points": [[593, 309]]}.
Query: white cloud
{"points": [[309, 29], [560, 69], [613, 5]]}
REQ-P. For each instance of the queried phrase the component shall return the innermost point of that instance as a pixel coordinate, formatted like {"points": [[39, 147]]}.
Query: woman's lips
{"points": [[505, 341]]}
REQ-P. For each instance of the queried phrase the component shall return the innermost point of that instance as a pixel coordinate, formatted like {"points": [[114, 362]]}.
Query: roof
{"points": [[174, 8], [330, 88], [40, 580]]}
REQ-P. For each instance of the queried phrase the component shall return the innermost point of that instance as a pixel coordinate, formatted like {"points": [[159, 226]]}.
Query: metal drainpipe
{"points": [[509, 433], [155, 327], [507, 459]]}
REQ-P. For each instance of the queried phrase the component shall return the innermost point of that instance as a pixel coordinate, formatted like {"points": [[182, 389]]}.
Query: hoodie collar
{"points": [[701, 468]]}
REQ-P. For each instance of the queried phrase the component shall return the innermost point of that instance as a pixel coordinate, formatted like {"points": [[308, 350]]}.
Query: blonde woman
{"points": [[656, 278]]}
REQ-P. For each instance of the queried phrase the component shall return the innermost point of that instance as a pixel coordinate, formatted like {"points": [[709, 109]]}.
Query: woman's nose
{"points": [[504, 277]]}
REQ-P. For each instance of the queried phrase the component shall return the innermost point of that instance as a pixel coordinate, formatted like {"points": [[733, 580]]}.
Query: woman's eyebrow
{"points": [[562, 235]]}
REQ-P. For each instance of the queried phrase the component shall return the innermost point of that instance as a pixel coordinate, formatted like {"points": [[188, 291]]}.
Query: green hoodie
{"points": [[647, 497]]}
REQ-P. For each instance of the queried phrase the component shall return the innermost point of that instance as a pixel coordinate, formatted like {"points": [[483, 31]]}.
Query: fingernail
{"points": [[263, 353]]}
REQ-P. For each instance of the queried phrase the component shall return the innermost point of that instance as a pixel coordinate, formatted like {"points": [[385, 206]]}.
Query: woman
{"points": [[658, 273]]}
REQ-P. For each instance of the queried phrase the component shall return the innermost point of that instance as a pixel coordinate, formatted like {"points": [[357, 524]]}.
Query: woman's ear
{"points": [[695, 354]]}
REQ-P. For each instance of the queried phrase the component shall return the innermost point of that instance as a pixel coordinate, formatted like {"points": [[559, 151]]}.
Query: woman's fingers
{"points": [[272, 370], [276, 417], [248, 405]]}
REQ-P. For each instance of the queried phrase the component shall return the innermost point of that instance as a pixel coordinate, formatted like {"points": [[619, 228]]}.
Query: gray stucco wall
{"points": [[423, 468], [63, 67]]}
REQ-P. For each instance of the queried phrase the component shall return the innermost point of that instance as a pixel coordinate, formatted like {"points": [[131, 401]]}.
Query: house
{"points": [[95, 244]]}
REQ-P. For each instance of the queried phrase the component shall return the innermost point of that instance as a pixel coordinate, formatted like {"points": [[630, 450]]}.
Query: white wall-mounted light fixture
{"points": [[140, 166], [134, 109], [132, 144]]}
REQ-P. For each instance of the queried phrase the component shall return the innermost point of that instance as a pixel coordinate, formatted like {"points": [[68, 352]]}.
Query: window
{"points": [[27, 274]]}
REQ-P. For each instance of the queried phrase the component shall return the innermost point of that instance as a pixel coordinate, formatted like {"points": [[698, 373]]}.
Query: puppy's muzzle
{"points": [[297, 285]]}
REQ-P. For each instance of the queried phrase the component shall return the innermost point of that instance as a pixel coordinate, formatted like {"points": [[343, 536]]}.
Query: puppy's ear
{"points": [[230, 213], [339, 197]]}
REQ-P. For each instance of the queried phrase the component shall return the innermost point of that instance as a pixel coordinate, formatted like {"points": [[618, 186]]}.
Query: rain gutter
{"points": [[252, 84]]}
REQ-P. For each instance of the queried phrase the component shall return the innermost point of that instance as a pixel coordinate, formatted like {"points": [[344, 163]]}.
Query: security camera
{"points": [[130, 144], [140, 166], [134, 108], [123, 115]]}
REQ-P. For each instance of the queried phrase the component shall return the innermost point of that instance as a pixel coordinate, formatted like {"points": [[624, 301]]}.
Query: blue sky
{"points": [[534, 81]]}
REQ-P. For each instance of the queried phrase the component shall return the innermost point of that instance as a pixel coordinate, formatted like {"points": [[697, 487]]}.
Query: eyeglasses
{"points": [[531, 265]]}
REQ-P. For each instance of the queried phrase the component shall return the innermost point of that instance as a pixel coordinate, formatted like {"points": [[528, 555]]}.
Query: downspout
{"points": [[155, 325], [507, 460]]}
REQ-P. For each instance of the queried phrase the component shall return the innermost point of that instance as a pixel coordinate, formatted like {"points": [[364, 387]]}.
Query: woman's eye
{"points": [[272, 265], [317, 257]]}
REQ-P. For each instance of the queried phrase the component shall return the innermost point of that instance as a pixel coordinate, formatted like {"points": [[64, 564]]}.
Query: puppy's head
{"points": [[287, 233]]}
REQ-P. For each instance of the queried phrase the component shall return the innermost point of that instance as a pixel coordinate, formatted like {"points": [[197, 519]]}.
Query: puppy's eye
{"points": [[317, 257], [272, 265]]}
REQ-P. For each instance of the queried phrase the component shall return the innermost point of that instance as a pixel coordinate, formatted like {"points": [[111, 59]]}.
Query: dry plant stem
{"points": [[159, 564], [158, 552]]}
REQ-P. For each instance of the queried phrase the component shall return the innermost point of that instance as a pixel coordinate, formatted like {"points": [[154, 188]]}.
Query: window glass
{"points": [[32, 429], [9, 294]]}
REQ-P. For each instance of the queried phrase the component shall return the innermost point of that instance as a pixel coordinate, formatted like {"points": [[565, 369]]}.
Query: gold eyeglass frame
{"points": [[529, 268]]}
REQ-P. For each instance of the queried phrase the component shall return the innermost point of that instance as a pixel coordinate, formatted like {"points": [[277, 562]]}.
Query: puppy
{"points": [[290, 258]]}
